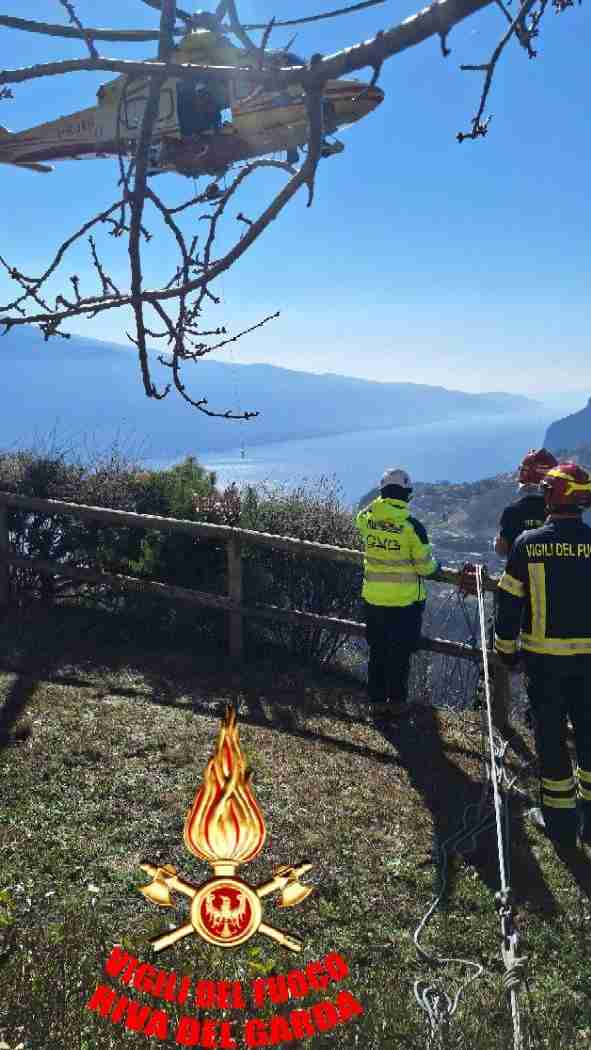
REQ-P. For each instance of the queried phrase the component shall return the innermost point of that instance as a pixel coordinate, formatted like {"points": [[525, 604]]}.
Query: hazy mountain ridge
{"points": [[84, 385], [572, 432]]}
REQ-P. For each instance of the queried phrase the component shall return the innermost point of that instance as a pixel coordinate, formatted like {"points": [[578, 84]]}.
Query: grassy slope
{"points": [[118, 742]]}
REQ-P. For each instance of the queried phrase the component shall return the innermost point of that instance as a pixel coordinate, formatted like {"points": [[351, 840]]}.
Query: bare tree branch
{"points": [[314, 108], [106, 281], [165, 46], [319, 18], [116, 36], [97, 304], [229, 9], [69, 7], [517, 28], [139, 36], [184, 16], [35, 283], [264, 42], [390, 42], [186, 70], [171, 314]]}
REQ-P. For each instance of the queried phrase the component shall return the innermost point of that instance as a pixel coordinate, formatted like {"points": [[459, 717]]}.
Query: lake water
{"points": [[453, 450]]}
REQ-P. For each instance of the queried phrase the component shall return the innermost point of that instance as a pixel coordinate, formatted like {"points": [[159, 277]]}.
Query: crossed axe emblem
{"points": [[226, 828], [285, 880]]}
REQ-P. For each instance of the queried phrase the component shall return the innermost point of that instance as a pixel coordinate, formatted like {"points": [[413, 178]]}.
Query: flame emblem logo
{"points": [[226, 828], [225, 825]]}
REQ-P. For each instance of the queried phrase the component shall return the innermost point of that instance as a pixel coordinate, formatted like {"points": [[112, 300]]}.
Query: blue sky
{"points": [[421, 260]]}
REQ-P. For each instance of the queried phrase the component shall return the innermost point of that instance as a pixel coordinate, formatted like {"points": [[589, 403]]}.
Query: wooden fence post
{"points": [[4, 552], [234, 555]]}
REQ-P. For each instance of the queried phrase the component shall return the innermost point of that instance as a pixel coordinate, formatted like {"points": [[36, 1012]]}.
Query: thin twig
{"points": [[69, 7], [107, 284], [319, 18], [480, 126]]}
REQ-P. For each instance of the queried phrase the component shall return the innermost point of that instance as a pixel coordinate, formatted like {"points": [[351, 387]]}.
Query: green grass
{"points": [[102, 750]]}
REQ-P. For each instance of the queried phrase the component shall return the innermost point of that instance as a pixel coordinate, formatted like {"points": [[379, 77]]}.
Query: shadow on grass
{"points": [[579, 866], [14, 708], [447, 790], [257, 710], [51, 645], [32, 653]]}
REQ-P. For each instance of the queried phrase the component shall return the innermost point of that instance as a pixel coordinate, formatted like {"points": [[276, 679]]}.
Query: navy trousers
{"points": [[558, 686], [393, 635]]}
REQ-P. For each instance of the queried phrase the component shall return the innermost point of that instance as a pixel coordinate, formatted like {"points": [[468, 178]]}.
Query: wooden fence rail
{"points": [[234, 540]]}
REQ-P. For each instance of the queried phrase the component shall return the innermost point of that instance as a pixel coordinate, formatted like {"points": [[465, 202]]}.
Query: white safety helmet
{"points": [[396, 476]]}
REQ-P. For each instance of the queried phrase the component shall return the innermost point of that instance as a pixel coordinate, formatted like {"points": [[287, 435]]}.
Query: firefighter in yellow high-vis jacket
{"points": [[543, 600], [397, 557]]}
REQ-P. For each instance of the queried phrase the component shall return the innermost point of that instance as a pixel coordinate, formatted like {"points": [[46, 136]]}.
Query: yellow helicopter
{"points": [[190, 135]]}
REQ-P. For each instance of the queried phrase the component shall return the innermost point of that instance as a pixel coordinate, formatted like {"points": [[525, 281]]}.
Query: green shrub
{"points": [[187, 491], [290, 581], [118, 483]]}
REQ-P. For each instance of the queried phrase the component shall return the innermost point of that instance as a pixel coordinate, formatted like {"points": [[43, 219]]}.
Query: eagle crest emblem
{"points": [[226, 828]]}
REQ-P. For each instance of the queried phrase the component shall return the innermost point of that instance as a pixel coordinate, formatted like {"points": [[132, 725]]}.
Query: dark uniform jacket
{"points": [[544, 591], [526, 512]]}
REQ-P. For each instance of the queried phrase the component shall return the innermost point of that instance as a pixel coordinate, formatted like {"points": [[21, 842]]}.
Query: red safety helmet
{"points": [[535, 465], [567, 485]]}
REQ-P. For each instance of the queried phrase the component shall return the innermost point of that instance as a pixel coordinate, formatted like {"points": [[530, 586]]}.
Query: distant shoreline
{"points": [[386, 428]]}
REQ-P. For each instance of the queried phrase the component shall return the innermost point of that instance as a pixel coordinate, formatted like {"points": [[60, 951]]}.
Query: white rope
{"points": [[514, 965], [437, 1004]]}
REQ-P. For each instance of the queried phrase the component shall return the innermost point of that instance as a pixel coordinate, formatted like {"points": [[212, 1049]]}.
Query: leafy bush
{"points": [[289, 581], [114, 482], [186, 491]]}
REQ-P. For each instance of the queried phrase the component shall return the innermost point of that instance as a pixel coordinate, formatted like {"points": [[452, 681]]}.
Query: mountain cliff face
{"points": [[573, 432]]}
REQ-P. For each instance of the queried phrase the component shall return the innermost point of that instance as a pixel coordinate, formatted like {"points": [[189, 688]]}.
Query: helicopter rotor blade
{"points": [[318, 18]]}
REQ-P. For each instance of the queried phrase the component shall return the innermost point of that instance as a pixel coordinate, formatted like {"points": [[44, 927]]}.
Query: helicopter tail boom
{"points": [[5, 136]]}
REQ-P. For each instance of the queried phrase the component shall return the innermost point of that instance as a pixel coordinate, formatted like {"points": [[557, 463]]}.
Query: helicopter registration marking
{"points": [[85, 126]]}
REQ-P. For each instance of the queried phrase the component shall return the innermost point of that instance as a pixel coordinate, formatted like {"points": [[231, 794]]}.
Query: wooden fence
{"points": [[232, 603]]}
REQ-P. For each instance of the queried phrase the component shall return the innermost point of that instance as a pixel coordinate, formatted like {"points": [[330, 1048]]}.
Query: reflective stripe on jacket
{"points": [[397, 554], [543, 595]]}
